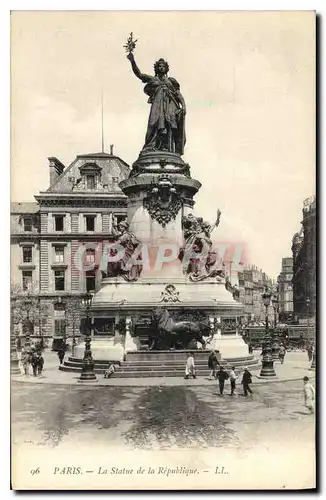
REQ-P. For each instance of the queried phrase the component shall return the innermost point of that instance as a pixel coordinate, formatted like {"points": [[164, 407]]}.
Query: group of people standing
{"points": [[218, 372], [32, 357]]}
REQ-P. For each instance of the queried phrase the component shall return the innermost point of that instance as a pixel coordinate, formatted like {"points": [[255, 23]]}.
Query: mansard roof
{"points": [[102, 155], [112, 168]]}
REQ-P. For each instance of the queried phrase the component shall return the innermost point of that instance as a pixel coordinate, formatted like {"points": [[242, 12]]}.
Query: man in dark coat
{"points": [[310, 351], [34, 363], [221, 376], [61, 353], [212, 364], [40, 364], [246, 381]]}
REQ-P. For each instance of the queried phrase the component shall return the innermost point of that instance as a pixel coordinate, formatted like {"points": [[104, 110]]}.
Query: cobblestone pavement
{"points": [[158, 417]]}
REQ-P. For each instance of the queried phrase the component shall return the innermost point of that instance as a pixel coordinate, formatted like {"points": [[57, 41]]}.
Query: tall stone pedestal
{"points": [[104, 349], [134, 300], [230, 346], [160, 192]]}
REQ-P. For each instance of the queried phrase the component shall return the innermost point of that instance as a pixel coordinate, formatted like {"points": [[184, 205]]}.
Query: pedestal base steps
{"points": [[140, 364]]}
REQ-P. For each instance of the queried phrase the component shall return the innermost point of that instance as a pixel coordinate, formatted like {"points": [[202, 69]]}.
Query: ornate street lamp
{"points": [[87, 374], [275, 307], [267, 369], [266, 296], [275, 344]]}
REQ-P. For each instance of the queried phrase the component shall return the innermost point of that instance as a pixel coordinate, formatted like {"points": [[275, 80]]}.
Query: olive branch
{"points": [[131, 44]]}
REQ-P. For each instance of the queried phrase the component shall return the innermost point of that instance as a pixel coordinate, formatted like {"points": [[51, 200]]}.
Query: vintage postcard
{"points": [[163, 250]]}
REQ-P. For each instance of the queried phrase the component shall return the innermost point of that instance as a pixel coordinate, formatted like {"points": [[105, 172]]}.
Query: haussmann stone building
{"points": [[80, 207], [304, 264]]}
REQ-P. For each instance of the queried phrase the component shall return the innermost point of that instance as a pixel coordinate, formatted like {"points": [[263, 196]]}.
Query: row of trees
{"points": [[29, 314]]}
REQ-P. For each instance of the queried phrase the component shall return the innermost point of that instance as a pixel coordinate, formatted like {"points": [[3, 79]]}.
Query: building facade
{"points": [[55, 243], [252, 284], [304, 263], [285, 290]]}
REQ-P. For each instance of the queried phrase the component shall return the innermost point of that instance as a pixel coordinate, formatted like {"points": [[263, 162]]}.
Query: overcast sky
{"points": [[249, 85]]}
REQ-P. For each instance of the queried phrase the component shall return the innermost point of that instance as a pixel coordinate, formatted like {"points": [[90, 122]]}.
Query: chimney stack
{"points": [[56, 169], [111, 149]]}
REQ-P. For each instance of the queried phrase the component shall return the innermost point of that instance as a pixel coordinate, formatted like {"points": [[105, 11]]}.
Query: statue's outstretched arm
{"points": [[217, 222], [218, 217], [142, 76]]}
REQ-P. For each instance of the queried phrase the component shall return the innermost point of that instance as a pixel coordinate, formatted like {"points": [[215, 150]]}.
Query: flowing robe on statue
{"points": [[165, 130], [198, 241], [127, 266]]}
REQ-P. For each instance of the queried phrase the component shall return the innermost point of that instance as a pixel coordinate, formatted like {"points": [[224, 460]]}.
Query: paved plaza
{"points": [[159, 417], [162, 412]]}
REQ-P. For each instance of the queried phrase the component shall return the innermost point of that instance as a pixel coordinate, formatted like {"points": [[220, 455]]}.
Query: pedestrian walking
{"points": [[25, 360], [250, 348], [246, 381], [309, 395], [40, 364], [190, 366], [233, 377], [310, 351], [282, 353], [221, 376], [61, 354], [34, 363], [212, 364]]}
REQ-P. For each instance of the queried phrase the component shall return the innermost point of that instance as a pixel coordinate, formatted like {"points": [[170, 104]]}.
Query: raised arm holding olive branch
{"points": [[166, 123]]}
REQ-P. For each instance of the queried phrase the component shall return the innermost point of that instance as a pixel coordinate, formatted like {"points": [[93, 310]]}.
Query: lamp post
{"points": [[267, 369], [275, 344], [87, 374], [275, 307], [266, 296]]}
